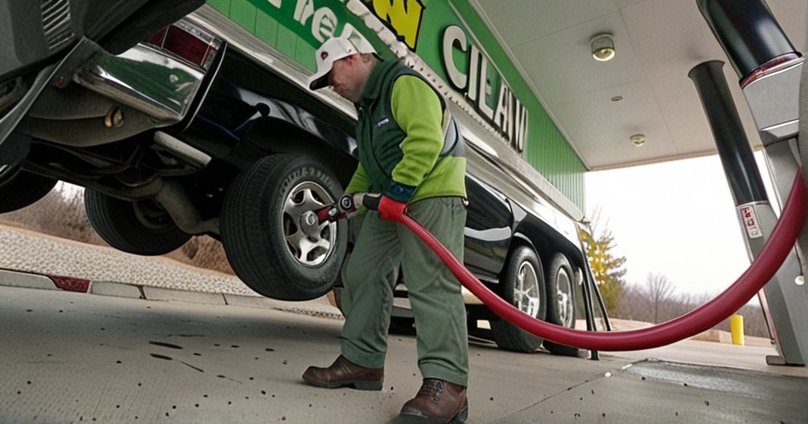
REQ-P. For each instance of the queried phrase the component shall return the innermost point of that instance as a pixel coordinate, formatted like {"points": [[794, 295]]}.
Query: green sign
{"points": [[315, 21], [450, 38]]}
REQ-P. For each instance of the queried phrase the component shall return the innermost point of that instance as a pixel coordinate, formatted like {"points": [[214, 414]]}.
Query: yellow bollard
{"points": [[736, 328]]}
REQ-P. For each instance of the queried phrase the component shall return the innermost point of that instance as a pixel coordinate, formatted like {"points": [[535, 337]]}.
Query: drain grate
{"points": [[732, 381]]}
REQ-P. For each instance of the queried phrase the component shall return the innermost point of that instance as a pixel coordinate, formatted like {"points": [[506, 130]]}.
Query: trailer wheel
{"points": [[141, 227], [523, 286], [19, 189], [270, 232], [560, 292], [560, 301]]}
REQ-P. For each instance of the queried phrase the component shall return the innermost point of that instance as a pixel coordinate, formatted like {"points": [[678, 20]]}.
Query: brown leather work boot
{"points": [[439, 400], [344, 373]]}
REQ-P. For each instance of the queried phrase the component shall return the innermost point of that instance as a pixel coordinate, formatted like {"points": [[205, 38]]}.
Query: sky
{"points": [[676, 219]]}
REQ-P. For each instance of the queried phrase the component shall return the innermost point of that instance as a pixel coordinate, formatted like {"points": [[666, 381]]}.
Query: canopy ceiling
{"points": [[657, 43]]}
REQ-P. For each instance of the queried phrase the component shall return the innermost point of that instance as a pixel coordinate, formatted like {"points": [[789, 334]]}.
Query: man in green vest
{"points": [[411, 152]]}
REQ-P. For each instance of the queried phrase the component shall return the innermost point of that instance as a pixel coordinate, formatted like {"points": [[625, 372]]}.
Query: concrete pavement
{"points": [[71, 357], [118, 339], [76, 357]]}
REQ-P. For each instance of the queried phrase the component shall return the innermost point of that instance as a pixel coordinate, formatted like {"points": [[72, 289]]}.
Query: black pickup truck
{"points": [[181, 123]]}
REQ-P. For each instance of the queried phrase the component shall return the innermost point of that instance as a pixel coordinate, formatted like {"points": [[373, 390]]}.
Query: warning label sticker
{"points": [[750, 222]]}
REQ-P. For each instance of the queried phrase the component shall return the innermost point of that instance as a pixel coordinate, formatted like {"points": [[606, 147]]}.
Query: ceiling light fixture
{"points": [[637, 139], [602, 47]]}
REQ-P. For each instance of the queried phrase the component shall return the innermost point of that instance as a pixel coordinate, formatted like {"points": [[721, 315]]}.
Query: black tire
{"points": [[560, 292], [268, 233], [404, 322], [19, 189], [560, 301], [141, 227], [402, 326], [522, 286]]}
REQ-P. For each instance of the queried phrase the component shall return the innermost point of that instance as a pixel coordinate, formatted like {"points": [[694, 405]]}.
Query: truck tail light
{"points": [[187, 41]]}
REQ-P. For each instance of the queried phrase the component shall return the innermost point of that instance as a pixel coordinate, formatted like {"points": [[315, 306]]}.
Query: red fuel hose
{"points": [[773, 254]]}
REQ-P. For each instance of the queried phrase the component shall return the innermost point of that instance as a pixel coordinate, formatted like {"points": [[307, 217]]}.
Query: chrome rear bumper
{"points": [[145, 79]]}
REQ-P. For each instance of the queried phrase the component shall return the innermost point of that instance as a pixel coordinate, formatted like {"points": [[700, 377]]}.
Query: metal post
{"points": [[755, 214], [589, 310], [770, 71]]}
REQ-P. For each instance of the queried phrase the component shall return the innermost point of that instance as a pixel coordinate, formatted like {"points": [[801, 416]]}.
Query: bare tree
{"points": [[659, 290]]}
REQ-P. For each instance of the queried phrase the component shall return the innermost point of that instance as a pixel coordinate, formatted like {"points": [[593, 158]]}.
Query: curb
{"points": [[24, 279]]}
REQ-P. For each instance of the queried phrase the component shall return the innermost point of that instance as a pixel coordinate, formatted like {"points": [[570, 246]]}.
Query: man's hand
{"points": [[391, 210], [393, 203]]}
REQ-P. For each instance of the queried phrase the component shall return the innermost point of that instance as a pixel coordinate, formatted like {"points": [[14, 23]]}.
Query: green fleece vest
{"points": [[379, 137]]}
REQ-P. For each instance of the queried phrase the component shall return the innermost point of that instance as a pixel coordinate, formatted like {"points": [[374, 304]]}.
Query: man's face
{"points": [[344, 78]]}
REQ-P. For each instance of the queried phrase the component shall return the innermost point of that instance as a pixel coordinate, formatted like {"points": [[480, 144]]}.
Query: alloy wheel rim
{"points": [[309, 242], [527, 296], [564, 297]]}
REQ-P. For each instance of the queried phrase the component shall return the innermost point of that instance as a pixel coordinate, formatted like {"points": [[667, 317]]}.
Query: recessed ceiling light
{"points": [[617, 98], [638, 139]]}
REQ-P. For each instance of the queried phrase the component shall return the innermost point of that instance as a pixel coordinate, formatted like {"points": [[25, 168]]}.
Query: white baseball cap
{"points": [[331, 51]]}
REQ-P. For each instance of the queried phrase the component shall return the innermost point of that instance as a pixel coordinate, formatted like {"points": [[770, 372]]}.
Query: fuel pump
{"points": [[769, 71]]}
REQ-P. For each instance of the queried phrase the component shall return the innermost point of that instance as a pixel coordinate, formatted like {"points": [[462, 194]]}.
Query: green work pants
{"points": [[370, 276]]}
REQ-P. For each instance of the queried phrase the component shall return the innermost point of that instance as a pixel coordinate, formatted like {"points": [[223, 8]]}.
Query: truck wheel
{"points": [[141, 227], [523, 286], [560, 301], [19, 189], [270, 232]]}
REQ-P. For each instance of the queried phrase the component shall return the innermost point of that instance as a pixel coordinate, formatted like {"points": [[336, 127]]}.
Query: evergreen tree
{"points": [[607, 268]]}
